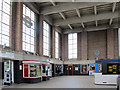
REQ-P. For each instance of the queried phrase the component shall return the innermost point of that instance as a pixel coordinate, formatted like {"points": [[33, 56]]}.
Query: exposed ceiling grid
{"points": [[113, 10], [76, 16]]}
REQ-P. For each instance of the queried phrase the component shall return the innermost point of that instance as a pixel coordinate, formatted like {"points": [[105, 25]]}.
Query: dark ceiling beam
{"points": [[33, 7], [69, 6], [91, 28], [87, 18], [113, 10]]}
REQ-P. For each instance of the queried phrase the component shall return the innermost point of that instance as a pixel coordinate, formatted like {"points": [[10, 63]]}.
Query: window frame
{"points": [[56, 45], [46, 37], [72, 46], [30, 34], [5, 32]]}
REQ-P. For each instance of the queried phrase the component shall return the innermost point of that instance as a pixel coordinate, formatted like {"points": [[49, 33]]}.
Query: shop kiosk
{"points": [[107, 71], [32, 71], [91, 69]]}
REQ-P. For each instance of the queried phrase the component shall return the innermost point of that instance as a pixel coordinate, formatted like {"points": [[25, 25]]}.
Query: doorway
{"points": [[70, 69]]}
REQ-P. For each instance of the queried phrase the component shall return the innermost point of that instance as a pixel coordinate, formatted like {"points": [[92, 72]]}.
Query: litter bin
{"points": [[118, 83]]}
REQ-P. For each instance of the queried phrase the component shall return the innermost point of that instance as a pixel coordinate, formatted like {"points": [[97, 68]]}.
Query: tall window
{"points": [[46, 30], [28, 29], [56, 45], [5, 22], [72, 46]]}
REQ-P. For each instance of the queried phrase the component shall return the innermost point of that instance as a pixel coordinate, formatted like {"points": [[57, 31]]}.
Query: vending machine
{"points": [[8, 72]]}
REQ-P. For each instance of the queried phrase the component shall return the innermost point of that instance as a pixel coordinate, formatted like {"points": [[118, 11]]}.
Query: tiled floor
{"points": [[64, 82]]}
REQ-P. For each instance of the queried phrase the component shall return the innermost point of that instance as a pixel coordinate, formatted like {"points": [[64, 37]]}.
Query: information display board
{"points": [[113, 68]]}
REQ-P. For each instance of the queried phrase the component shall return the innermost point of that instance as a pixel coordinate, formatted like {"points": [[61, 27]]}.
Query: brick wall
{"points": [[41, 35], [65, 46], [83, 45], [79, 46], [53, 42], [97, 41], [16, 26], [116, 48], [110, 43], [37, 33]]}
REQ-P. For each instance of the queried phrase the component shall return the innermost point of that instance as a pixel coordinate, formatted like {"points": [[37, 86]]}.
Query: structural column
{"points": [[41, 35], [65, 46], [53, 42], [16, 26], [78, 46], [116, 45], [37, 33], [84, 45], [110, 44], [60, 45]]}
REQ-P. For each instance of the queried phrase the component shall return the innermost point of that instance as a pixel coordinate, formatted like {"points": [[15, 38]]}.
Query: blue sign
{"points": [[97, 52]]}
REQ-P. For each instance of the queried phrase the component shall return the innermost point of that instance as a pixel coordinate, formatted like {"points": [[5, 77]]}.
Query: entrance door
{"points": [[70, 69]]}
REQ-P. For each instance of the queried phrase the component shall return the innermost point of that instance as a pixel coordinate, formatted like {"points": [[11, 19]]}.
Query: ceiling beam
{"points": [[78, 12], [113, 10], [114, 6], [53, 3], [95, 10], [62, 15], [110, 21], [73, 0], [96, 23], [90, 28], [69, 6], [83, 25], [58, 29], [88, 18], [70, 26], [32, 6]]}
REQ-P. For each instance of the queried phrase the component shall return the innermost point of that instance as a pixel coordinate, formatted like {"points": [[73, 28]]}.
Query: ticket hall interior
{"points": [[59, 44]]}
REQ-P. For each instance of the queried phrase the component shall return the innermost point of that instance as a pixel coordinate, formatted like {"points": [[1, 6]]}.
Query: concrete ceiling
{"points": [[78, 16]]}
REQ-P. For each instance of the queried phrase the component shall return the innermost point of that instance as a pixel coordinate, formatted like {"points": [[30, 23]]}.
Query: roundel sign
{"points": [[27, 21], [97, 52]]}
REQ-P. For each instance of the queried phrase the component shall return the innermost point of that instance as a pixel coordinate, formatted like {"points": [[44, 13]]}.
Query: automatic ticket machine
{"points": [[107, 71]]}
